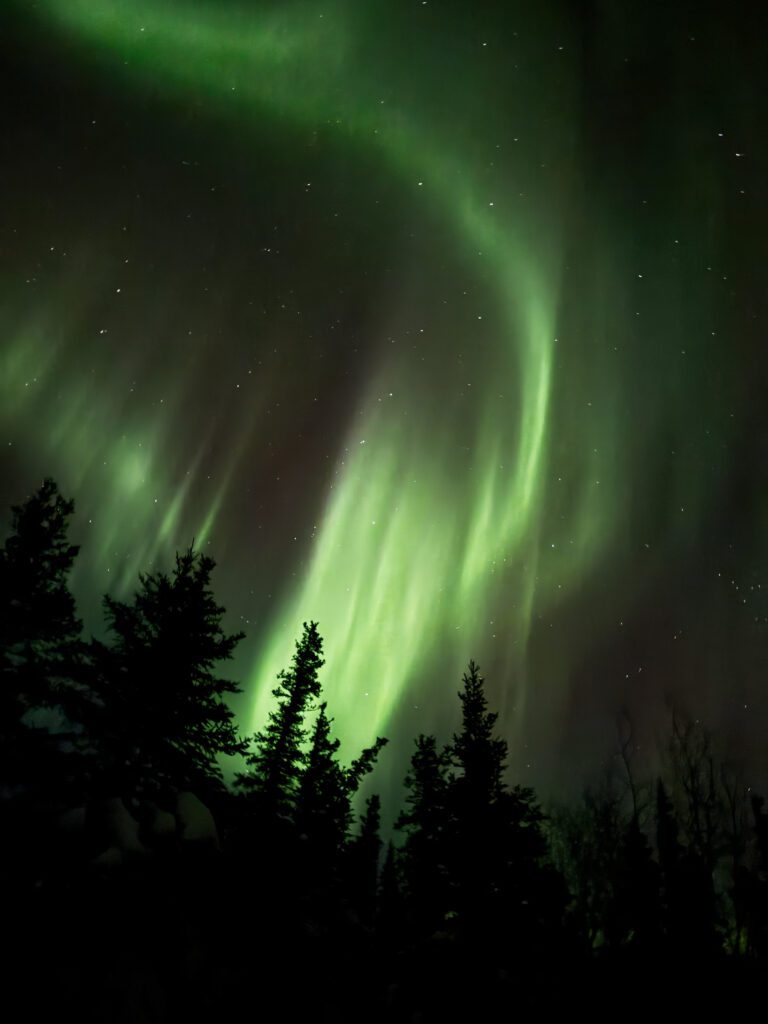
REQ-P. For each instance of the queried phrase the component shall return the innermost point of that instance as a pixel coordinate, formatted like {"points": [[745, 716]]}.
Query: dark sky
{"points": [[440, 323]]}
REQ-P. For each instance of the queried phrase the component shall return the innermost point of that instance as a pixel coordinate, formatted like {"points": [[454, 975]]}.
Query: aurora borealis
{"points": [[438, 323]]}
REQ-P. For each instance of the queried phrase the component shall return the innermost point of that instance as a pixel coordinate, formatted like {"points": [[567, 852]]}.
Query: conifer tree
{"points": [[424, 820], [161, 714], [370, 824], [390, 915], [497, 848], [40, 645], [478, 759], [364, 764], [478, 755], [276, 761], [363, 859], [324, 799]]}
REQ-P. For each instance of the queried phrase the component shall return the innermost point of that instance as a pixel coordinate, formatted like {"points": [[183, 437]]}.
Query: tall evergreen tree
{"points": [[497, 848], [390, 917], [323, 809], [40, 645], [424, 820], [162, 717], [277, 759], [479, 756], [322, 802], [477, 784], [363, 860]]}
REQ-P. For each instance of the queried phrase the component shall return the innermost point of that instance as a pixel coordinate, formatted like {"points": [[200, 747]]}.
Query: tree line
{"points": [[482, 898]]}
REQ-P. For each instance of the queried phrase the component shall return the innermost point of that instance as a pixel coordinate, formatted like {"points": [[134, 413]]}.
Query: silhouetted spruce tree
{"points": [[479, 756], [477, 784], [321, 800], [40, 646], [276, 761], [161, 716], [362, 862], [364, 764], [323, 811], [390, 915], [497, 849], [424, 820]]}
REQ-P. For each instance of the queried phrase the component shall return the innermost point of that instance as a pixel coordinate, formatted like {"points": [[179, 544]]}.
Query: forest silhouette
{"points": [[139, 886]]}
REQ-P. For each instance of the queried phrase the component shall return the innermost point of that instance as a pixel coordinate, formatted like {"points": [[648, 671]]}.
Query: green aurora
{"points": [[523, 464]]}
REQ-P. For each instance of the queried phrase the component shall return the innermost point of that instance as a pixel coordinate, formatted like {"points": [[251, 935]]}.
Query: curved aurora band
{"points": [[397, 557]]}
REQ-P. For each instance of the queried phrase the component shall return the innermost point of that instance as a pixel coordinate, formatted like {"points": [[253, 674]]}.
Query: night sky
{"points": [[442, 323]]}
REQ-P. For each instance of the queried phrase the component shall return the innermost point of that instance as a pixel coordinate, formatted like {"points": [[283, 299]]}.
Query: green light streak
{"points": [[410, 559], [142, 513], [396, 567]]}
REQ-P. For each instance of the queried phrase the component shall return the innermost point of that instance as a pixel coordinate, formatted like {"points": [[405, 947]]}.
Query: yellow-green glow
{"points": [[72, 420], [411, 558], [395, 560]]}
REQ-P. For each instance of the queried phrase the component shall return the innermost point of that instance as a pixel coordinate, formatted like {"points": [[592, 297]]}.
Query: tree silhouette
{"points": [[634, 916], [478, 759], [323, 809], [478, 755], [362, 863], [471, 894], [40, 645], [322, 804], [390, 917], [752, 884], [276, 761], [497, 846], [161, 716], [700, 812], [670, 852], [587, 838], [693, 776], [424, 820]]}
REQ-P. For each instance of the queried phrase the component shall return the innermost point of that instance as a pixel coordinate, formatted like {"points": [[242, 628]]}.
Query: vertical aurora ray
{"points": [[380, 592], [73, 421], [411, 558]]}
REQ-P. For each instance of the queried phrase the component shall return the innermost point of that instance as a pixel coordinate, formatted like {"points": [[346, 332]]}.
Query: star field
{"points": [[439, 323]]}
